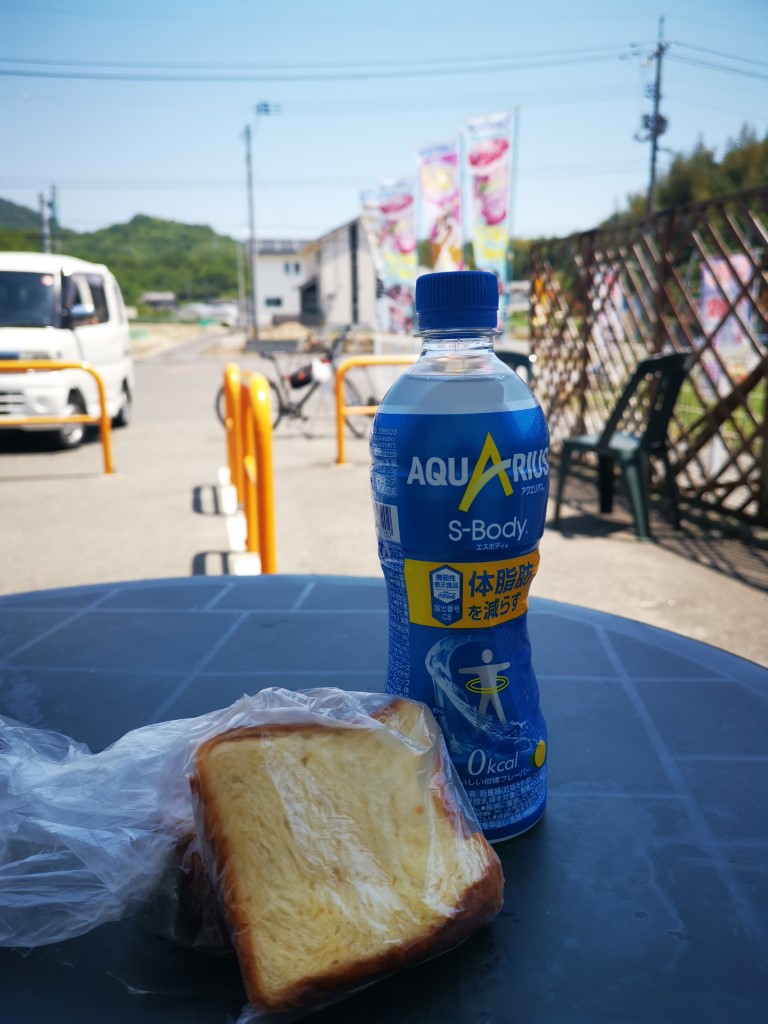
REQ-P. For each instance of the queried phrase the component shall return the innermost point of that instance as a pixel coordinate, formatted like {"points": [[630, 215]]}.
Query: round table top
{"points": [[640, 896]]}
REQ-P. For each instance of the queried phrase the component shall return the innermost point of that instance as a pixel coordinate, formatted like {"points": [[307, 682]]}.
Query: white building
{"points": [[339, 286], [280, 272]]}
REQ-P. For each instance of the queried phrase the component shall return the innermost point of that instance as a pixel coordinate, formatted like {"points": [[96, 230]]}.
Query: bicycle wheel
{"points": [[277, 404], [358, 423], [219, 405]]}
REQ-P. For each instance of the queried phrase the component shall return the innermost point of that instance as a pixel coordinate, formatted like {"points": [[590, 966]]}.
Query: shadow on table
{"points": [[724, 545]]}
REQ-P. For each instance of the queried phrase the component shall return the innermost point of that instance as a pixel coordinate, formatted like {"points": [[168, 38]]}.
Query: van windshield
{"points": [[27, 299]]}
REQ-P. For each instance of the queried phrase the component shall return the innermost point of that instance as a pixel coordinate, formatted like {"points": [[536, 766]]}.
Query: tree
{"points": [[699, 175], [146, 254]]}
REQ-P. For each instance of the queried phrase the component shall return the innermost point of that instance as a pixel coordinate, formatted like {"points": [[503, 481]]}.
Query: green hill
{"points": [[146, 254], [18, 218]]}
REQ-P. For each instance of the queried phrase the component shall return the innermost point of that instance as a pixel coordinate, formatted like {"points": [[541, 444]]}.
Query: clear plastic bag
{"points": [[88, 838]]}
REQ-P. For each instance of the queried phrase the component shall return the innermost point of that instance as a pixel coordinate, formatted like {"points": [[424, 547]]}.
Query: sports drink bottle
{"points": [[460, 478]]}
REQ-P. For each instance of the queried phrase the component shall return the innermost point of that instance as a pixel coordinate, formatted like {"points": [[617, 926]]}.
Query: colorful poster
{"points": [[388, 217], [370, 218], [721, 283], [488, 189], [439, 208]]}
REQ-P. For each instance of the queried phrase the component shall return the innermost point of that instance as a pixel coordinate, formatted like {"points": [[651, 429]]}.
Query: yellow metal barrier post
{"points": [[258, 498], [358, 410], [41, 365], [260, 404], [233, 426]]}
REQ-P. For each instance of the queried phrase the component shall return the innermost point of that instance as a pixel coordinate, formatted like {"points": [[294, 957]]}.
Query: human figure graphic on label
{"points": [[490, 683]]}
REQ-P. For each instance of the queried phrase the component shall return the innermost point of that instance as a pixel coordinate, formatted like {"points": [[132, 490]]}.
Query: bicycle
{"points": [[307, 380]]}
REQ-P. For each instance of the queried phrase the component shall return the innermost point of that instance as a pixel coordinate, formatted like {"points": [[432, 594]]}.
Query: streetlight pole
{"points": [[241, 299], [253, 324], [262, 108]]}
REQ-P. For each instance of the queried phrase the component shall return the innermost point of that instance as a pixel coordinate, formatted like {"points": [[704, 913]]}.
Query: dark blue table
{"points": [[642, 895]]}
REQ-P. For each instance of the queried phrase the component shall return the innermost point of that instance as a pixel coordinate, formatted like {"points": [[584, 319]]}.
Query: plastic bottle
{"points": [[460, 478]]}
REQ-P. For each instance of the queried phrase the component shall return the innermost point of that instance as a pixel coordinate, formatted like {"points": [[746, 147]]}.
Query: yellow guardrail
{"points": [[342, 411], [40, 365], [232, 417], [248, 424]]}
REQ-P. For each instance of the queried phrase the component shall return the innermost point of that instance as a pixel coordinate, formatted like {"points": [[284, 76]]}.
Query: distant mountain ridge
{"points": [[146, 254], [18, 218]]}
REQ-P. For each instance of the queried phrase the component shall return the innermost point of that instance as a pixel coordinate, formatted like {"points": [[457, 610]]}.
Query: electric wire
{"points": [[596, 168], [484, 67], [712, 66], [720, 53], [418, 63]]}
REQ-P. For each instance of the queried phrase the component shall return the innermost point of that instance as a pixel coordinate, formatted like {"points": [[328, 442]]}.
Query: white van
{"points": [[59, 307]]}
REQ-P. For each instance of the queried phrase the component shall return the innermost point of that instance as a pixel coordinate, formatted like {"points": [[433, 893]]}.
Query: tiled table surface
{"points": [[642, 895]]}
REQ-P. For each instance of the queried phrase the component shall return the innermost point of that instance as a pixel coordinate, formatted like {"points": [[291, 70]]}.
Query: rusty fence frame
{"points": [[694, 277]]}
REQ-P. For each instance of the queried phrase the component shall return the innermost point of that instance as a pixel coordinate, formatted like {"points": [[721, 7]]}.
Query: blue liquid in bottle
{"points": [[460, 478]]}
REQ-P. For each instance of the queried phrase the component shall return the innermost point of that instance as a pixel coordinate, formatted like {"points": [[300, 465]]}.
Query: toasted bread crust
{"points": [[478, 902]]}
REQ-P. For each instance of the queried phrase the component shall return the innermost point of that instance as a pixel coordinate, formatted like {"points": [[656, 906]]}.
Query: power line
{"points": [[712, 66], [463, 101], [315, 65], [483, 67], [720, 53], [712, 106], [596, 168], [400, 66]]}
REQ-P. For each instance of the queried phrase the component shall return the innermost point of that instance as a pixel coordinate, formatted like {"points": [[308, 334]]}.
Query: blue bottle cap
{"points": [[455, 299]]}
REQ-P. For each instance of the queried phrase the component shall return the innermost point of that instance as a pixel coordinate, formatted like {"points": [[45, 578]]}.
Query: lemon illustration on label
{"points": [[539, 754]]}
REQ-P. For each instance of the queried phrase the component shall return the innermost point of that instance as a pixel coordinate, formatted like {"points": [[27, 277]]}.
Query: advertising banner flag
{"points": [[488, 189], [389, 221], [439, 208], [370, 221]]}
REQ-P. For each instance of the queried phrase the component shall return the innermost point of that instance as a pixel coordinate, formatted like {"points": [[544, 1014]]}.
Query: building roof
{"points": [[280, 246], [315, 243]]}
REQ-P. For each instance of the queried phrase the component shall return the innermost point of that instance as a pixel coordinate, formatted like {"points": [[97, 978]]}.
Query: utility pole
{"points": [[654, 124], [45, 223], [262, 108], [252, 309], [241, 301], [54, 225]]}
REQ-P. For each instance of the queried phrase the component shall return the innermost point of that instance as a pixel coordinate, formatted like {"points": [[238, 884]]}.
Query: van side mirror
{"points": [[80, 313]]}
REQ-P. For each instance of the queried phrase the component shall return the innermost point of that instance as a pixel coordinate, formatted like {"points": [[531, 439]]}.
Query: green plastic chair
{"points": [[632, 452]]}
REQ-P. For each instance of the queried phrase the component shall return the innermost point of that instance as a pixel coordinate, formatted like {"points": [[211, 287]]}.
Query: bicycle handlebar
{"points": [[332, 351]]}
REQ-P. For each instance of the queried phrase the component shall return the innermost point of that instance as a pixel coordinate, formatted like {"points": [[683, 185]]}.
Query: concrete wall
{"points": [[334, 265], [330, 259], [275, 282]]}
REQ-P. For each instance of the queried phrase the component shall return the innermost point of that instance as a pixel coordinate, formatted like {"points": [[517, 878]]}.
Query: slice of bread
{"points": [[339, 852]]}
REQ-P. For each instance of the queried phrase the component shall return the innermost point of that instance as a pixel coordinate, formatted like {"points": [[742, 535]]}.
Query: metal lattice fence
{"points": [[694, 276]]}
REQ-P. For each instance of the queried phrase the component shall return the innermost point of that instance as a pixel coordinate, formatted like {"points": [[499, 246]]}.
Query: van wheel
{"points": [[125, 412], [71, 435]]}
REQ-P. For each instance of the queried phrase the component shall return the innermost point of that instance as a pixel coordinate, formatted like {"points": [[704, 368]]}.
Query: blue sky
{"points": [[352, 111]]}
